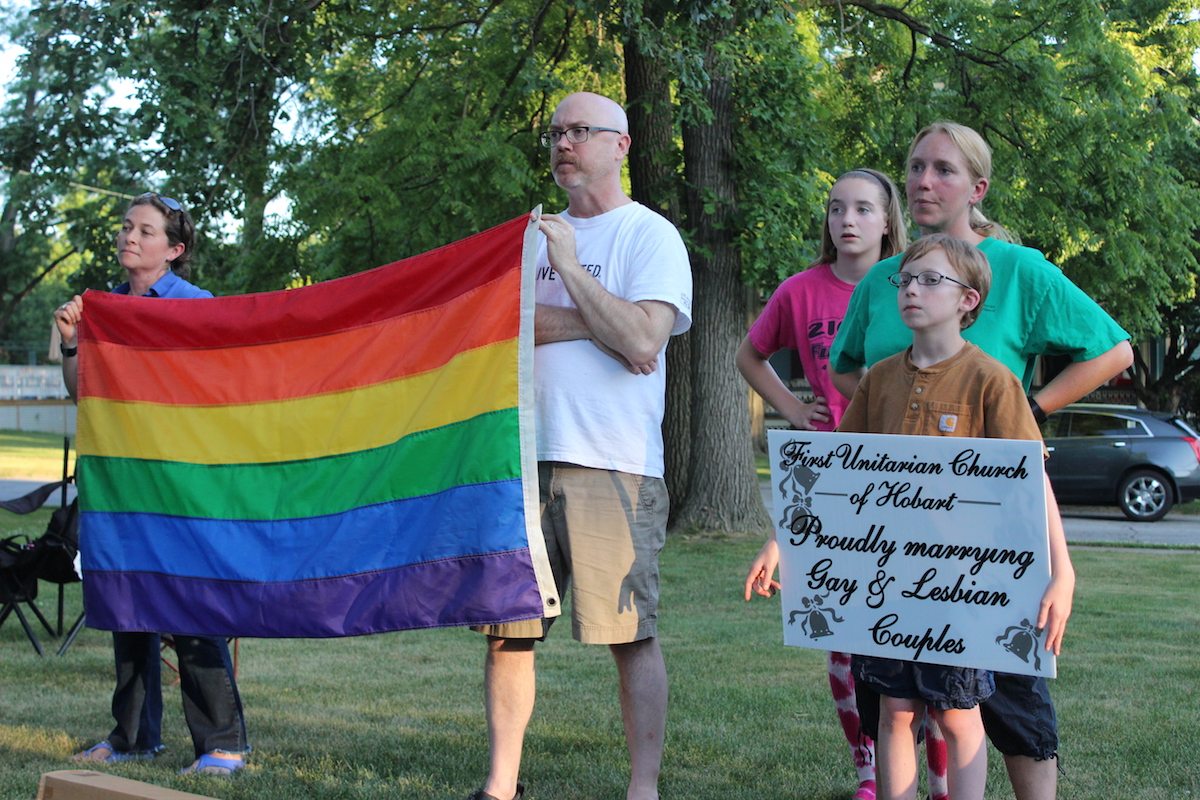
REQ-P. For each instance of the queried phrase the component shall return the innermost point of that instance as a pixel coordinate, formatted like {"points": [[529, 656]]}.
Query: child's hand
{"points": [[809, 415], [1056, 608], [761, 580]]}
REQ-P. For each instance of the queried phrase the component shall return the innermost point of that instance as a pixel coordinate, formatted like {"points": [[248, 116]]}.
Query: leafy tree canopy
{"points": [[384, 128]]}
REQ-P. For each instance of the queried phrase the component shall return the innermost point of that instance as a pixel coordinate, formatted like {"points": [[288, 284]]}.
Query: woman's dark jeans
{"points": [[211, 704]]}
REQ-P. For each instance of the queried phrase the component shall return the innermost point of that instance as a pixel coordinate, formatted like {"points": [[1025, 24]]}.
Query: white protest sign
{"points": [[920, 548]]}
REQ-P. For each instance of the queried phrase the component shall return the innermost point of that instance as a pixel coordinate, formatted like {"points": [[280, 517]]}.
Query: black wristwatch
{"points": [[68, 352], [1038, 414]]}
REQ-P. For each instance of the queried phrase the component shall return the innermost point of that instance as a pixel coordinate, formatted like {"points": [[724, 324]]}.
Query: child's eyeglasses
{"points": [[931, 278]]}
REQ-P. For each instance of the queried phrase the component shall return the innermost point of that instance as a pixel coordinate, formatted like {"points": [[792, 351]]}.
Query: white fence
{"points": [[35, 399], [31, 383], [45, 416]]}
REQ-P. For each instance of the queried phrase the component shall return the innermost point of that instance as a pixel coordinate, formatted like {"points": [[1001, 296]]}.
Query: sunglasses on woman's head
{"points": [[169, 202]]}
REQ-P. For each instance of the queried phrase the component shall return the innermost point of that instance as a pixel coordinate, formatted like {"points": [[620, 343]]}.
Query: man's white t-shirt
{"points": [[590, 409]]}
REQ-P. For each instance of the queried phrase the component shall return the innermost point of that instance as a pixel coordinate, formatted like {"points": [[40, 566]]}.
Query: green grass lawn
{"points": [[402, 714], [24, 454], [31, 456]]}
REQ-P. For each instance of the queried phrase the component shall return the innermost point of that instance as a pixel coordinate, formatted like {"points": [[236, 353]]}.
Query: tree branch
{"points": [[912, 58], [534, 36], [1025, 35], [980, 56], [18, 296]]}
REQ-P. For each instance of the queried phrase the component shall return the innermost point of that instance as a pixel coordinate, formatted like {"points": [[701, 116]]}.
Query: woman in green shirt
{"points": [[1032, 309]]}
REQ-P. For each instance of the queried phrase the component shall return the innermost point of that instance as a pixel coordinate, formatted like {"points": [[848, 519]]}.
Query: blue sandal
{"points": [[113, 756], [208, 764]]}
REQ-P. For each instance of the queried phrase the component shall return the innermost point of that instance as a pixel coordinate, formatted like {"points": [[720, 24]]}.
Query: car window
{"points": [[1104, 425], [1051, 427], [1187, 429]]}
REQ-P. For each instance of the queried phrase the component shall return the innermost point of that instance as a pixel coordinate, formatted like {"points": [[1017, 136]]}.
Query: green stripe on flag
{"points": [[479, 450]]}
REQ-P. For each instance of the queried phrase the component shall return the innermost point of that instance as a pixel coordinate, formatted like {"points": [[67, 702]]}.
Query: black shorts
{"points": [[936, 685], [1019, 716]]}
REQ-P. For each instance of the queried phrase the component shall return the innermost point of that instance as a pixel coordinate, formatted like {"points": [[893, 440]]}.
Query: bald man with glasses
{"points": [[613, 285]]}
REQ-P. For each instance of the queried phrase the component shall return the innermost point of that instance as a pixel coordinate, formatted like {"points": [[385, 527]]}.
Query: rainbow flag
{"points": [[345, 458]]}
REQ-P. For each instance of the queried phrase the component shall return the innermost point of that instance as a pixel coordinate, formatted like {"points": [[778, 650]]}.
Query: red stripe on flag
{"points": [[303, 313]]}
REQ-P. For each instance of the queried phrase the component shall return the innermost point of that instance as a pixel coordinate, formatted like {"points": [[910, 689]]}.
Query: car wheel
{"points": [[1144, 496]]}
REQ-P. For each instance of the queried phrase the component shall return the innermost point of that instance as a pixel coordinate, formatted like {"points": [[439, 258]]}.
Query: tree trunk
{"points": [[758, 422], [655, 182], [723, 489], [254, 154]]}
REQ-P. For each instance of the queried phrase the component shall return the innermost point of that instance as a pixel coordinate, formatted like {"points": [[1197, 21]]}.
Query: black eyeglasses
{"points": [[577, 135], [169, 202], [931, 278]]}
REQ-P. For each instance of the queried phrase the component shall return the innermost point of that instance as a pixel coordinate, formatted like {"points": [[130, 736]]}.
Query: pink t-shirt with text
{"points": [[804, 315]]}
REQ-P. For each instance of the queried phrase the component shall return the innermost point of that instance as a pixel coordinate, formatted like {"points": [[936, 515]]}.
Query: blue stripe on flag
{"points": [[467, 520]]}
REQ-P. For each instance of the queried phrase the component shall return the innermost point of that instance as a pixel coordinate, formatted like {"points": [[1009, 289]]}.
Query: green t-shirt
{"points": [[1032, 309]]}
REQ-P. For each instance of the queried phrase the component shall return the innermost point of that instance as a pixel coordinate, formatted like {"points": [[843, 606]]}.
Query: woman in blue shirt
{"points": [[155, 247]]}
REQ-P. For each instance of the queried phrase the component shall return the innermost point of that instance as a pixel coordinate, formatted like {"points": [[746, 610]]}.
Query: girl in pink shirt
{"points": [[863, 224]]}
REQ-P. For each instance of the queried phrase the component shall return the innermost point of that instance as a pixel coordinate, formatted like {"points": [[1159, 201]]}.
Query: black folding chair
{"points": [[50, 557], [18, 585]]}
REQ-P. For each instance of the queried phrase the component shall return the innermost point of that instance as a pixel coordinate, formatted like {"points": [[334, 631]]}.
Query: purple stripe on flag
{"points": [[471, 590]]}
